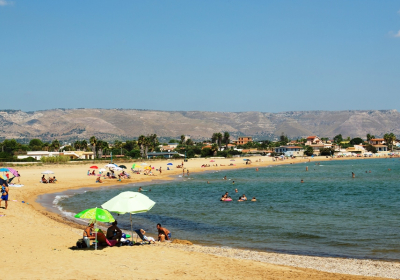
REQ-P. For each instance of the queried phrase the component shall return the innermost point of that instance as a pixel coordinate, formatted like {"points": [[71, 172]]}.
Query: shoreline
{"points": [[256, 256]]}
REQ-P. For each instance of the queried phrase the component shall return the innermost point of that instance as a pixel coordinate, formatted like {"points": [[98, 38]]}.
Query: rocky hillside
{"points": [[109, 124]]}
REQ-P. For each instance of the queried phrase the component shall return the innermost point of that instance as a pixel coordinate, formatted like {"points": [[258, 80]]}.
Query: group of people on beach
{"points": [[51, 180], [114, 233]]}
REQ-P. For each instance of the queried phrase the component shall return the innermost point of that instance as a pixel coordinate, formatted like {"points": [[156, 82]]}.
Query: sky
{"points": [[226, 56]]}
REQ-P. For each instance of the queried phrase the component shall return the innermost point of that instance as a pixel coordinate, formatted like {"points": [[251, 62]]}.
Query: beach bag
{"points": [[81, 244]]}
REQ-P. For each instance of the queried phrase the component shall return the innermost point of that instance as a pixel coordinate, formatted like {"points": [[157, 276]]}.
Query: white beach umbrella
{"points": [[117, 168], [110, 165], [47, 172], [129, 202], [102, 169], [143, 164]]}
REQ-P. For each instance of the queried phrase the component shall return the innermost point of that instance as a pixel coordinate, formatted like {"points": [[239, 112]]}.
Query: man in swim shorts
{"points": [[163, 233], [114, 232], [4, 194]]}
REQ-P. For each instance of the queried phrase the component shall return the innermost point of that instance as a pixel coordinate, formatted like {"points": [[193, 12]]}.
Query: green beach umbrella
{"points": [[129, 202], [96, 214]]}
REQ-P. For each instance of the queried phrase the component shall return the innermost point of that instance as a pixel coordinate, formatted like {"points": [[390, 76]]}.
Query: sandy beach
{"points": [[36, 243]]}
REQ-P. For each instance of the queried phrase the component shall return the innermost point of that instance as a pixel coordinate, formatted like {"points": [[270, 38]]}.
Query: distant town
{"points": [[219, 145]]}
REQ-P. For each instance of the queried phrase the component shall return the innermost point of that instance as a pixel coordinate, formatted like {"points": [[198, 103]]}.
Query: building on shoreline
{"points": [[71, 154]]}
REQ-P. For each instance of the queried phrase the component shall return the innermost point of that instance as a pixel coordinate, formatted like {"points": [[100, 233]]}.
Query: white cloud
{"points": [[5, 2], [397, 35]]}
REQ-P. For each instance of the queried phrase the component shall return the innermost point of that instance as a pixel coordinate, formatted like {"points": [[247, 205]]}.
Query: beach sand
{"points": [[35, 243]]}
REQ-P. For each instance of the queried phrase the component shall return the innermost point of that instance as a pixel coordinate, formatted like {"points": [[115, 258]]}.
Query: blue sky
{"points": [[267, 56]]}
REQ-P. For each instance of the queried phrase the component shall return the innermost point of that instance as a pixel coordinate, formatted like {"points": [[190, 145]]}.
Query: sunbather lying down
{"points": [[146, 238]]}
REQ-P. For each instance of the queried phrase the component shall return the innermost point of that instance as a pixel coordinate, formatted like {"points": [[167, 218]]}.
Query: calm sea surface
{"points": [[330, 214]]}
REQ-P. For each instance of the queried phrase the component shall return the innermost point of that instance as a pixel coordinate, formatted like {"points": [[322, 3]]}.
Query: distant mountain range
{"points": [[111, 124]]}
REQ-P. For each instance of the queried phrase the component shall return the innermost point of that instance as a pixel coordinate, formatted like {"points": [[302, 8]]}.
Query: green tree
{"points": [[214, 148], [389, 139], [182, 139], [283, 139], [55, 145], [214, 138], [189, 142], [338, 138], [219, 140], [356, 141], [309, 151]]}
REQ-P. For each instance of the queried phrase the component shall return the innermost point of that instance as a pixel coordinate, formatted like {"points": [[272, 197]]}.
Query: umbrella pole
{"points": [[95, 245], [131, 227]]}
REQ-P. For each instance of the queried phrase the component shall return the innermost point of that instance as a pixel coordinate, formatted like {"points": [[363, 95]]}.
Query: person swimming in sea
{"points": [[140, 189], [254, 199]]}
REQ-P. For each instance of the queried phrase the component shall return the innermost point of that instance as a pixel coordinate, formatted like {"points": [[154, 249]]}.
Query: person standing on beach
{"points": [[187, 172], [18, 175], [160, 169], [4, 194]]}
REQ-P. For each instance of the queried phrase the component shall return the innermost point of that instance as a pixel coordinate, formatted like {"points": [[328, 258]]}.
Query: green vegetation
{"points": [[55, 159]]}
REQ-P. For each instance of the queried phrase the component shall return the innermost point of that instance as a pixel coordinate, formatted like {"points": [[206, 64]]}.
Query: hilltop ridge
{"points": [[109, 124]]}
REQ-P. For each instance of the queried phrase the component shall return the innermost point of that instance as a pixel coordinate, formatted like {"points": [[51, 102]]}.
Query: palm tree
{"points": [[369, 137], [226, 139], [55, 144], [153, 141], [146, 144], [389, 139], [84, 145], [141, 142], [77, 145], [99, 148], [183, 139], [93, 142], [214, 138], [219, 139]]}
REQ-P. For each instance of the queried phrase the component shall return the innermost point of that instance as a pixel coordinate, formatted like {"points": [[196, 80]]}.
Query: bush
{"points": [[206, 152], [326, 152], [56, 159], [371, 148]]}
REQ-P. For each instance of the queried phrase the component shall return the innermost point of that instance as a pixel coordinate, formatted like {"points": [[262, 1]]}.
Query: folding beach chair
{"points": [[10, 180], [145, 240]]}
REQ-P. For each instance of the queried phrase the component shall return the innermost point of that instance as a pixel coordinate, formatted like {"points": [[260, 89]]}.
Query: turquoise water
{"points": [[330, 214]]}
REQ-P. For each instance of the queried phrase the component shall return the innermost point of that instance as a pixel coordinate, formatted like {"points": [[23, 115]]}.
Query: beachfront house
{"points": [[289, 151], [163, 154], [379, 144], [313, 140], [243, 140], [71, 154]]}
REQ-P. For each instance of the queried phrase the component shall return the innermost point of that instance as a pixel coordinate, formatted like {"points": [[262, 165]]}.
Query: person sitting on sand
{"points": [[54, 179], [88, 234], [44, 180], [51, 180], [114, 232], [254, 199], [93, 173], [88, 172], [163, 233], [98, 180]]}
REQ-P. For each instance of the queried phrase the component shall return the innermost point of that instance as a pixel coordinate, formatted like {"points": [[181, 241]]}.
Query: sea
{"points": [[329, 214]]}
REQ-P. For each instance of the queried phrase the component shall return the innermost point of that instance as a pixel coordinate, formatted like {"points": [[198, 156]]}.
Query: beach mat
{"points": [[16, 185]]}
